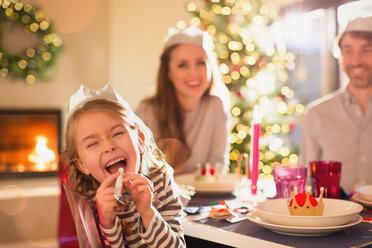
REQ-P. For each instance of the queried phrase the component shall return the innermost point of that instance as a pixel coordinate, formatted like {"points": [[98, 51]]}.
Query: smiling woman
{"points": [[189, 113], [33, 62]]}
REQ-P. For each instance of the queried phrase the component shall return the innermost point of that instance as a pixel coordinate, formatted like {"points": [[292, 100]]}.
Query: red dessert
{"points": [[208, 173], [211, 171]]}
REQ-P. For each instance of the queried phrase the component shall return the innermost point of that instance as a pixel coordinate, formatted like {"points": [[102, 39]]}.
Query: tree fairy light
{"points": [[191, 7]]}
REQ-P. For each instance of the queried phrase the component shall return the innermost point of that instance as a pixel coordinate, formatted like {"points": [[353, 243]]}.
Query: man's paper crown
{"points": [[85, 94], [360, 24], [191, 35]]}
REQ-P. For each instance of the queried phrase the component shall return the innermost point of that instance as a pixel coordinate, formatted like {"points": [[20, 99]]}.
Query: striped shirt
{"points": [[165, 228]]}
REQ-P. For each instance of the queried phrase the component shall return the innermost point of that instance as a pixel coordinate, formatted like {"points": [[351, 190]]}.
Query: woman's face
{"points": [[105, 143], [189, 71]]}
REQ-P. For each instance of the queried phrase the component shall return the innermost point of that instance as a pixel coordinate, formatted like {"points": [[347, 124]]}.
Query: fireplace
{"points": [[30, 142]]}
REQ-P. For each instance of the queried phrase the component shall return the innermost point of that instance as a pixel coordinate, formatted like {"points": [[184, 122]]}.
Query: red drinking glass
{"points": [[326, 174]]}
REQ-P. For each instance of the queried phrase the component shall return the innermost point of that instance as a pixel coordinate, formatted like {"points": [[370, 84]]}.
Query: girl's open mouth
{"points": [[114, 165]]}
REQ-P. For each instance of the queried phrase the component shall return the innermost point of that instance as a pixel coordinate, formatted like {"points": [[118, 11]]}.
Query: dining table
{"points": [[246, 233]]}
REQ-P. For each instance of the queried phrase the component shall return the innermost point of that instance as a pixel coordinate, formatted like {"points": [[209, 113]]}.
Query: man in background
{"points": [[339, 126]]}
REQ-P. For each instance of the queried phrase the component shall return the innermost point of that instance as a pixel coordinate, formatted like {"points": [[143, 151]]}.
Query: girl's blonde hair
{"points": [[152, 159]]}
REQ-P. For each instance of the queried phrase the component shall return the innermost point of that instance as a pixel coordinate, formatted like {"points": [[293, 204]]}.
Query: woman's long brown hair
{"points": [[167, 107]]}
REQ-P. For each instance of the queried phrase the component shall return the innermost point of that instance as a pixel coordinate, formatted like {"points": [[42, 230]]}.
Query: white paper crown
{"points": [[360, 24], [85, 94], [190, 35]]}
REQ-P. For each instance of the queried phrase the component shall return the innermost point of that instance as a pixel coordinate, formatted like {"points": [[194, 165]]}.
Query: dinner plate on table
{"points": [[365, 192], [302, 231], [361, 200], [336, 213], [224, 184]]}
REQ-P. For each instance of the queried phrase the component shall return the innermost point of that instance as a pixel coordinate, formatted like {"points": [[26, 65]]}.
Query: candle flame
{"points": [[257, 115]]}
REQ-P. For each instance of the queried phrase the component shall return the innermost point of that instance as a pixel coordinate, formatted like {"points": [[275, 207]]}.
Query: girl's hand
{"points": [[106, 202], [142, 190]]}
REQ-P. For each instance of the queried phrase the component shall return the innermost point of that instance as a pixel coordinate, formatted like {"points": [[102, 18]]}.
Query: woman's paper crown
{"points": [[191, 35], [85, 94]]}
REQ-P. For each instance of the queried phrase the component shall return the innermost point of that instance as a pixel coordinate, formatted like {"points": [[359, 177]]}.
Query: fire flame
{"points": [[43, 157]]}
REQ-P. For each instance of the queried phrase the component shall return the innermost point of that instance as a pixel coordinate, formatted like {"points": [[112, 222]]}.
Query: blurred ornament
{"points": [[239, 94], [76, 15]]}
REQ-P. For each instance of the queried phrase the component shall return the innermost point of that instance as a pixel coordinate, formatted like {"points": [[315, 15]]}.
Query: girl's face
{"points": [[105, 143], [189, 71]]}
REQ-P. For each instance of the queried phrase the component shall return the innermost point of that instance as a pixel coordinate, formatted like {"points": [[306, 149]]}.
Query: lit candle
{"points": [[255, 151], [246, 165], [240, 165]]}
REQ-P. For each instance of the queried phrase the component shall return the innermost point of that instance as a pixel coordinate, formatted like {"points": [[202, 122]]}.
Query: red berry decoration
{"points": [[212, 171]]}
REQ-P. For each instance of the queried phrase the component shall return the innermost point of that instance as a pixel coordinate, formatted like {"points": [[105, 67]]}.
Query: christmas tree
{"points": [[254, 65]]}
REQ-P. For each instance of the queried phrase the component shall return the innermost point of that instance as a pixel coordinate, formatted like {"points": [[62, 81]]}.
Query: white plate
{"points": [[224, 184], [336, 213], [359, 199], [365, 192], [303, 231]]}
